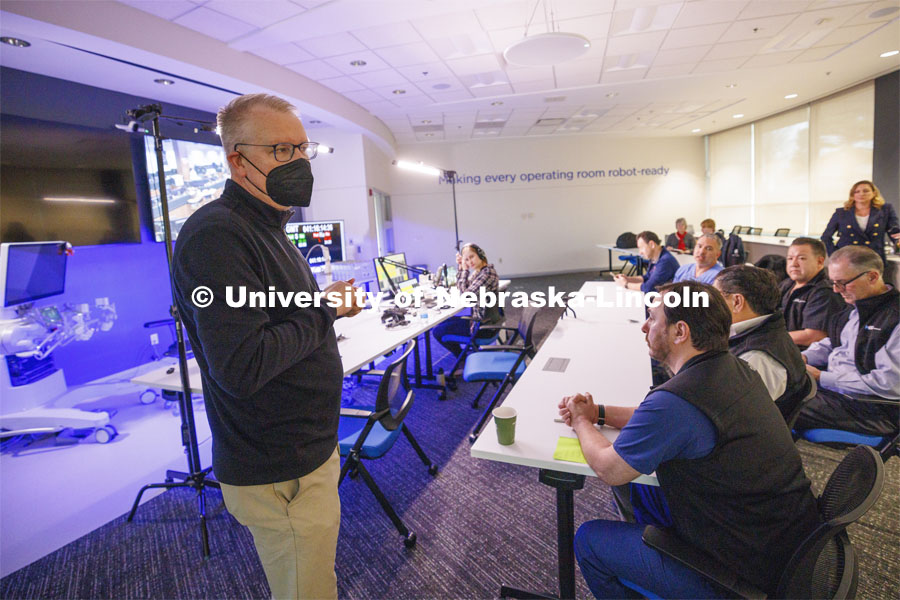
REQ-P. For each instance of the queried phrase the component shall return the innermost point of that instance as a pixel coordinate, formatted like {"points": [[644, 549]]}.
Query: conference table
{"points": [[600, 350], [683, 259]]}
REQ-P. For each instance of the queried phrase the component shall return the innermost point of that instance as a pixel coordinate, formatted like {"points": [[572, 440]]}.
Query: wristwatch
{"points": [[601, 414]]}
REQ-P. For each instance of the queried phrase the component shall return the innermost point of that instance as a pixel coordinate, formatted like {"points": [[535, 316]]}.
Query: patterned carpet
{"points": [[479, 524]]}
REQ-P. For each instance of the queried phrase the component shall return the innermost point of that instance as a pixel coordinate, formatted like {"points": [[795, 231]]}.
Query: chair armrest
{"points": [[501, 348], [672, 546], [355, 412], [874, 399], [495, 327]]}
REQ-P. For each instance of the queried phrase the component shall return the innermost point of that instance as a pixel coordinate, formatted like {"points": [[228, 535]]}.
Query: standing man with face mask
{"points": [[271, 375]]}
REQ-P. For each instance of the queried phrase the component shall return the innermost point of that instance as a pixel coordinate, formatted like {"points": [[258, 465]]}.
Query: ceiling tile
{"points": [[848, 35], [283, 54], [501, 39], [490, 91], [694, 36], [821, 53], [408, 54], [578, 73], [756, 28], [260, 14], [772, 59], [680, 56], [167, 9], [507, 14], [523, 74], [809, 28], [383, 78], [451, 96], [362, 96], [592, 27], [863, 17], [438, 26], [474, 64], [714, 66], [426, 72], [391, 34], [215, 25], [663, 72], [708, 11], [769, 8], [631, 44], [314, 69], [461, 45], [622, 76], [387, 92], [413, 102], [446, 85], [332, 45], [645, 18], [578, 8], [735, 49], [526, 87], [342, 63], [342, 84]]}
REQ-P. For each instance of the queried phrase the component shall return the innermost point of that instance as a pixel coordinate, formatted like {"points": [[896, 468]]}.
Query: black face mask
{"points": [[289, 184]]}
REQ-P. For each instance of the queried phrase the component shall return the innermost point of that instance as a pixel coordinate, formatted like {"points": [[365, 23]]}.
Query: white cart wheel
{"points": [[105, 434], [148, 397]]}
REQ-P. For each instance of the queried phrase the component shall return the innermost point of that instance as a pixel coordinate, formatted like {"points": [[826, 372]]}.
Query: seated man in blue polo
{"points": [[861, 355], [706, 264], [662, 265], [758, 334], [725, 461]]}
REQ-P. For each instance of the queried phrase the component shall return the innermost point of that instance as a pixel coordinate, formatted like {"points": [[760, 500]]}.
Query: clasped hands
{"points": [[352, 302], [579, 406]]}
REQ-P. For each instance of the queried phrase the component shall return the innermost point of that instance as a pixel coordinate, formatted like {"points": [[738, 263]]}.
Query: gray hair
{"points": [[714, 238], [859, 258], [680, 220], [233, 119]]}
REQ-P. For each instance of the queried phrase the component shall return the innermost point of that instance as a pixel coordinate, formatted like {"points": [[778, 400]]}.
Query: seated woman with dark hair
{"points": [[474, 273]]}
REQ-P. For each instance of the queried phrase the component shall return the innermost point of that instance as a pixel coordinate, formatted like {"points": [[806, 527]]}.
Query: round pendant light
{"points": [[546, 49]]}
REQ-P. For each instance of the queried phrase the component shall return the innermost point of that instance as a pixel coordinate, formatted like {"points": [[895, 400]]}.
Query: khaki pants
{"points": [[295, 529]]}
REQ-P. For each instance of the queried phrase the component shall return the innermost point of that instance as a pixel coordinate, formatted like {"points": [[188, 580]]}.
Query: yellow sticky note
{"points": [[569, 450]]}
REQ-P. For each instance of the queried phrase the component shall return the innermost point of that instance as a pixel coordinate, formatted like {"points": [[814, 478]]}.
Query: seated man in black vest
{"points": [[758, 335], [861, 355], [807, 300], [726, 464]]}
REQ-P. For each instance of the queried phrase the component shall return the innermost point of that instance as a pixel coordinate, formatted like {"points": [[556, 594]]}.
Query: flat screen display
{"points": [[195, 175], [66, 182], [396, 273], [330, 234], [32, 271]]}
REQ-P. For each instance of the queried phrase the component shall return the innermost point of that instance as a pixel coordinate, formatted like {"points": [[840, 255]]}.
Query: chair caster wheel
{"points": [[473, 437], [433, 470], [353, 473], [410, 540], [451, 383], [442, 395], [105, 434]]}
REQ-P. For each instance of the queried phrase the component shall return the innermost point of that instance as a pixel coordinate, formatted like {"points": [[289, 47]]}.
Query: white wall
{"points": [[545, 226]]}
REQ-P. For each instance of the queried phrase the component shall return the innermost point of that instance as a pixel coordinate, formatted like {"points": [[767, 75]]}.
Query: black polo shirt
{"points": [[810, 306]]}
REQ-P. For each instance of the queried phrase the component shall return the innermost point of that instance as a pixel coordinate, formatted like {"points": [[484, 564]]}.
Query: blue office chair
{"points": [[367, 434], [824, 565], [469, 344], [886, 445], [501, 364]]}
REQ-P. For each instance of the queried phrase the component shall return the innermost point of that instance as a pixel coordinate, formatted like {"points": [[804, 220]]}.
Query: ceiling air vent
{"points": [[554, 99], [549, 122], [427, 128], [489, 125]]}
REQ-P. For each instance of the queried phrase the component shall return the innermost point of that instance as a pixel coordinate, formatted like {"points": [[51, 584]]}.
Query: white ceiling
{"points": [[435, 71]]}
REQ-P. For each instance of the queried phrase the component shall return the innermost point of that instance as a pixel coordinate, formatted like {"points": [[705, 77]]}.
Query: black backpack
{"points": [[733, 253], [626, 240]]}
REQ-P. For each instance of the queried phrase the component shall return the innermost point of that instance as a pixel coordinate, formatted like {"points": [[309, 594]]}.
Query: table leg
{"points": [[565, 484]]}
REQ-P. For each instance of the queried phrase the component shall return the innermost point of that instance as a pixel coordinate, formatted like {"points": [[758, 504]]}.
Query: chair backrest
{"points": [[775, 263], [626, 240], [824, 566], [395, 396], [745, 229], [782, 231], [755, 231], [526, 328], [736, 229]]}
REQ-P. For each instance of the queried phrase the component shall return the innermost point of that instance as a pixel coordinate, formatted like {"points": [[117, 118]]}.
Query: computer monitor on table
{"points": [[385, 271], [30, 271]]}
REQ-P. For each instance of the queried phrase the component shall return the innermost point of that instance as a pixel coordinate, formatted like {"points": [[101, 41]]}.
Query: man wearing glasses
{"points": [[271, 376], [861, 355]]}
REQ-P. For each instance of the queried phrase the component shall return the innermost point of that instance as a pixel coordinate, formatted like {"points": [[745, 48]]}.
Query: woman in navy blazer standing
{"points": [[864, 220]]}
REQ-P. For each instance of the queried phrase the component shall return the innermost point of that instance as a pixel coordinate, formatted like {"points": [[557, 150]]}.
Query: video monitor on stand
{"points": [[391, 271]]}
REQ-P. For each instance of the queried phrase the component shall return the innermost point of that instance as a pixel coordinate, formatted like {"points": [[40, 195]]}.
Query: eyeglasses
{"points": [[842, 285], [285, 152]]}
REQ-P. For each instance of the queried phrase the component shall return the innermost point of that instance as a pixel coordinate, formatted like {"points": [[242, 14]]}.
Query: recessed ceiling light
{"points": [[358, 63], [162, 81], [398, 92], [790, 96], [441, 86], [497, 103], [429, 135], [426, 121], [891, 53], [15, 42], [314, 122], [731, 85], [612, 94], [695, 130], [737, 116], [883, 12]]}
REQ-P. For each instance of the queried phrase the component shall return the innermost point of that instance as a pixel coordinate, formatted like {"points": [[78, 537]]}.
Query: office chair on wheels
{"points": [[886, 445], [500, 364], [368, 434], [824, 565]]}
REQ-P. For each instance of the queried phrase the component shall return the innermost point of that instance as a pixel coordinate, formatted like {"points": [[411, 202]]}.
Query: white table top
{"points": [[683, 259], [608, 358], [365, 339]]}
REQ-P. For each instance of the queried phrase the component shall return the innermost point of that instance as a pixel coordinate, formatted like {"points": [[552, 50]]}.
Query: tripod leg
{"points": [[137, 501], [204, 532]]}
